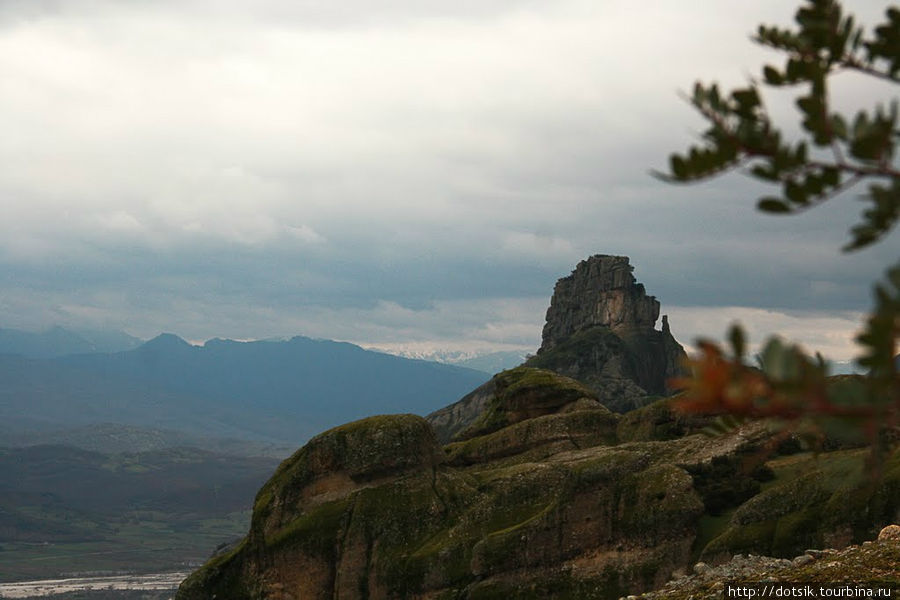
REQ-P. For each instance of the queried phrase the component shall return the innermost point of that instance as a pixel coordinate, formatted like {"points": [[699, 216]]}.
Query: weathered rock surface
{"points": [[452, 419], [545, 495], [600, 291], [581, 522], [509, 397], [891, 532], [819, 502], [600, 331]]}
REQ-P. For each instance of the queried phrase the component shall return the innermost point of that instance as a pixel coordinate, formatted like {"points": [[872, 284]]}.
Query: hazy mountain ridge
{"points": [[150, 457], [59, 341], [115, 438], [265, 391]]}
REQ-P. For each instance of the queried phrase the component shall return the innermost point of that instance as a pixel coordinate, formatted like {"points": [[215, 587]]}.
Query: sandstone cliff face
{"points": [[600, 291], [600, 331]]}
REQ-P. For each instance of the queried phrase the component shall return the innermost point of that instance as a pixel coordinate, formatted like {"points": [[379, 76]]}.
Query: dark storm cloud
{"points": [[381, 172]]}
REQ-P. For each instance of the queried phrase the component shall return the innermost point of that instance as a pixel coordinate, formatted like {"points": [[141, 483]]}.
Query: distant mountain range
{"points": [[280, 392], [59, 341], [116, 453]]}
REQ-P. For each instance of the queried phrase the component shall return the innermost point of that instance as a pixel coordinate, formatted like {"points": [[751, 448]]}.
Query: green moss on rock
{"points": [[567, 431], [623, 368], [658, 420], [546, 507], [524, 393], [827, 500]]}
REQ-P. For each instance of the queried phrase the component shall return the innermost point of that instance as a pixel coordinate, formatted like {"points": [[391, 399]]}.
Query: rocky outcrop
{"points": [[532, 410], [542, 496], [819, 502], [452, 419], [600, 330], [509, 397], [601, 291], [566, 516]]}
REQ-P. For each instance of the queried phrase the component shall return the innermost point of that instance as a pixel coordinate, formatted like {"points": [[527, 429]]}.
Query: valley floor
{"points": [[156, 543], [57, 587]]}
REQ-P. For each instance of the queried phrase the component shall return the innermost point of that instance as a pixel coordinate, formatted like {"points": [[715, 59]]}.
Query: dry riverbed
{"points": [[52, 587]]}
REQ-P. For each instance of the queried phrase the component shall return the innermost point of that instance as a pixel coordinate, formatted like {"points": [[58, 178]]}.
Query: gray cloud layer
{"points": [[380, 172]]}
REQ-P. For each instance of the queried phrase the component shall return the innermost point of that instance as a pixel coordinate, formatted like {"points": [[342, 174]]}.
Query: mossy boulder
{"points": [[525, 393], [314, 522]]}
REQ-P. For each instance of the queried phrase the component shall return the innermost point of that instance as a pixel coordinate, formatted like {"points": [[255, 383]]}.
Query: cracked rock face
{"points": [[600, 330], [600, 291]]}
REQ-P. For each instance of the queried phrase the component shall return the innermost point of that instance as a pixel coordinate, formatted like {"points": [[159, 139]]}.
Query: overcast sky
{"points": [[396, 173]]}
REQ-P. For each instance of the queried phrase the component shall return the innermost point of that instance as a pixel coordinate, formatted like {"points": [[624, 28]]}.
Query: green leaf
{"points": [[796, 193], [678, 167], [773, 205], [738, 341], [772, 359], [879, 219], [773, 76], [764, 172], [839, 126]]}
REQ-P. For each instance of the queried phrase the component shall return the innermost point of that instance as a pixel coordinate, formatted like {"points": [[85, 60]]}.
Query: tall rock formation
{"points": [[600, 330], [601, 291]]}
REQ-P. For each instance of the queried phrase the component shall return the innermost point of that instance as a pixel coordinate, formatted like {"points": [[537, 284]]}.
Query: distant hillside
{"points": [[269, 391], [115, 438], [68, 510], [58, 341], [185, 480]]}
